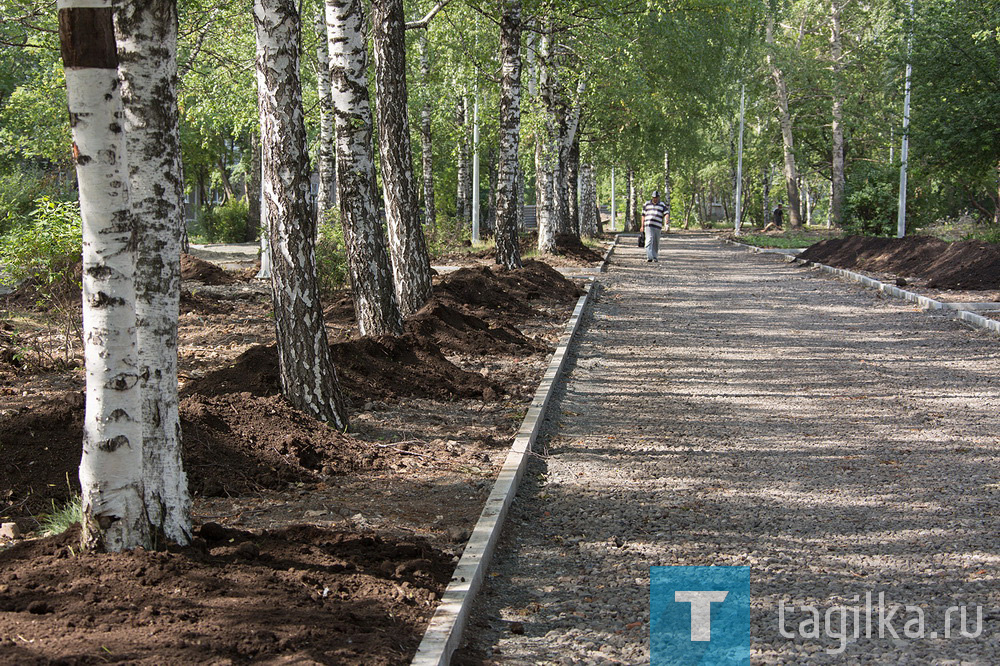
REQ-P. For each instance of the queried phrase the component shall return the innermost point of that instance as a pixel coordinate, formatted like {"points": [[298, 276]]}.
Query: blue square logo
{"points": [[699, 615]]}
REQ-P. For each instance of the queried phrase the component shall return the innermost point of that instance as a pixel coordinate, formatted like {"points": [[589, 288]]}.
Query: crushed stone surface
{"points": [[727, 408]]}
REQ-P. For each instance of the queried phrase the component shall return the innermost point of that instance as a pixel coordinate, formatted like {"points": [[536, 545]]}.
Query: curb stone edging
{"points": [[444, 632], [975, 320]]}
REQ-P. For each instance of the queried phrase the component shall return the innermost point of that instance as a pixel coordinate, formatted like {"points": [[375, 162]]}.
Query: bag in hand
{"points": [[642, 239]]}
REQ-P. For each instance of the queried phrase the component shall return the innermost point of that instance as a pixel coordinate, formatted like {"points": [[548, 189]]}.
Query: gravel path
{"points": [[727, 408]]}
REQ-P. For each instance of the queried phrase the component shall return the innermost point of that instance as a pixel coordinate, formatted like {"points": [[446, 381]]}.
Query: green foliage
{"points": [[988, 234], [46, 248], [33, 119], [62, 518], [331, 255], [226, 223], [872, 193], [448, 235], [21, 188]]}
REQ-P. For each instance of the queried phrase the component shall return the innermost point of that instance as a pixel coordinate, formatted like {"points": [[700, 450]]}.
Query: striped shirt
{"points": [[653, 214]]}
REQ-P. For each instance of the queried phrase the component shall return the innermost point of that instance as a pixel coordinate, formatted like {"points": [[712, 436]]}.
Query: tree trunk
{"points": [[573, 183], [463, 207], [308, 377], [508, 251], [111, 469], [253, 191], [589, 214], [411, 264], [785, 121], [375, 302], [326, 195], [147, 42], [836, 51], [426, 146], [630, 200], [666, 188], [547, 152]]}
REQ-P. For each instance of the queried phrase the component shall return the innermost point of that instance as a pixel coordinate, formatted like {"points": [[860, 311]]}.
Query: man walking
{"points": [[654, 214]]}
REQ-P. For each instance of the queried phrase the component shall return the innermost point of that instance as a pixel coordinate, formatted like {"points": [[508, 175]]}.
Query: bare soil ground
{"points": [[313, 546]]}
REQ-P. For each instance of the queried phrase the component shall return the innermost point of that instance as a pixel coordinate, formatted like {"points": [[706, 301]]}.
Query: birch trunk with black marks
{"points": [[253, 191], [326, 195], [426, 144], [147, 52], [111, 468], [547, 152], [508, 215], [411, 263], [666, 188], [368, 263], [630, 197], [308, 377], [463, 206], [837, 128], [787, 138], [588, 201]]}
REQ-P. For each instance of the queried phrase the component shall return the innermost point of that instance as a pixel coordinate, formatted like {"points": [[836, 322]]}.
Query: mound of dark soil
{"points": [[36, 295], [480, 291], [568, 245], [192, 301], [237, 443], [40, 451], [193, 268], [374, 368], [234, 443], [971, 265], [299, 595], [458, 331]]}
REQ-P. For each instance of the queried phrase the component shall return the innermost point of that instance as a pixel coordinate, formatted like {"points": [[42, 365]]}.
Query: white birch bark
{"points": [[375, 302], [308, 377], [147, 47], [426, 143], [666, 188], [787, 138], [411, 263], [326, 194], [111, 468], [837, 128], [507, 249], [546, 152], [463, 207], [588, 201]]}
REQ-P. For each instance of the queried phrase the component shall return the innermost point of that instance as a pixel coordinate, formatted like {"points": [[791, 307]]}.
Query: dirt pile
{"points": [[299, 595], [234, 444], [460, 332], [193, 268], [568, 245], [375, 368], [964, 265]]}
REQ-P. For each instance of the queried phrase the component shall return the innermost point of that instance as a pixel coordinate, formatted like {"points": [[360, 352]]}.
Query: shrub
{"points": [[872, 200], [331, 255], [47, 247], [226, 223]]}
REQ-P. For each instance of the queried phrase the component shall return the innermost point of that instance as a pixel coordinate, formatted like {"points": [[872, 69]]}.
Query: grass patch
{"points": [[782, 242], [62, 518]]}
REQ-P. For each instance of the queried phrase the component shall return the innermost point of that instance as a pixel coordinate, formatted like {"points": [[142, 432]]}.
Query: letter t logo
{"points": [[701, 610]]}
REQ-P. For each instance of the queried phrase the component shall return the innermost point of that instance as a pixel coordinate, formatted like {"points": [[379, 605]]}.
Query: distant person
{"points": [[654, 213], [779, 213]]}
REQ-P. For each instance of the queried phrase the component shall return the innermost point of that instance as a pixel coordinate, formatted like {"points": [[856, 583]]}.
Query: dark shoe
{"points": [[649, 261]]}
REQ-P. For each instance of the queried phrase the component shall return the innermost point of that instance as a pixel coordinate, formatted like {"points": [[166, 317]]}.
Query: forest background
{"points": [[651, 80]]}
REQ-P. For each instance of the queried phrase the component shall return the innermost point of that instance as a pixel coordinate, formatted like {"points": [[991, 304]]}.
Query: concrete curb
{"points": [[444, 633], [975, 320]]}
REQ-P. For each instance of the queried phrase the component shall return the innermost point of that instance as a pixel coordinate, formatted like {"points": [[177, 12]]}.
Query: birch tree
{"points": [[837, 128], [375, 302], [588, 201], [326, 192], [785, 121], [308, 377], [111, 469], [508, 251], [411, 264], [147, 47], [426, 143]]}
